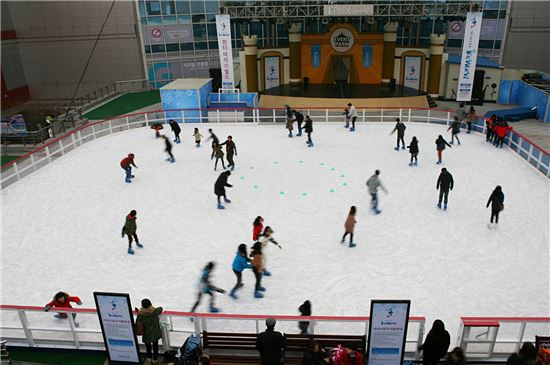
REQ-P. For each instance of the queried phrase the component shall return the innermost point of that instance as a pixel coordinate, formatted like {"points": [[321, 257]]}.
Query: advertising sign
{"points": [[348, 10], [387, 331], [342, 39], [271, 72], [469, 56], [412, 72], [315, 55], [159, 34], [490, 29], [367, 55], [223, 28], [117, 325]]}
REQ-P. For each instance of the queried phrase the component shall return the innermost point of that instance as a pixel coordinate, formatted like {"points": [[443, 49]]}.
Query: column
{"points": [[251, 62], [434, 70], [388, 60], [295, 48]]}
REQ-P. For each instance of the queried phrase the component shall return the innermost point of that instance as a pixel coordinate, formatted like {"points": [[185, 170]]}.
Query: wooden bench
{"points": [[296, 344], [230, 348]]}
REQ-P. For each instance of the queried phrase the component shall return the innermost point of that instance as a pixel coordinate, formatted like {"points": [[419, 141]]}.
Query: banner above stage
{"points": [[469, 56], [223, 28], [348, 10]]}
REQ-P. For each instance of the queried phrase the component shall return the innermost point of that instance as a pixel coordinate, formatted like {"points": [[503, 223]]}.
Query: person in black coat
{"points": [[215, 141], [413, 150], [445, 183], [309, 128], [527, 355], [270, 344], [305, 310], [230, 149], [168, 149], [400, 128], [436, 344], [455, 126], [176, 129], [219, 188], [497, 204], [440, 144], [299, 120], [315, 355]]}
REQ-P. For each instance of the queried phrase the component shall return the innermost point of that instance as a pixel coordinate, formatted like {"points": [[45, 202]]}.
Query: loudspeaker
{"points": [[216, 76]]}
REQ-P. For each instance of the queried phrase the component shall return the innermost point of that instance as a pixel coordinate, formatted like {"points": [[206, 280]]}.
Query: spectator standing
{"points": [[436, 345], [353, 116], [126, 165], [497, 204], [527, 355], [130, 229], [270, 344], [373, 184], [149, 317], [176, 129], [470, 118], [445, 183], [309, 129], [400, 128], [63, 300], [305, 310]]}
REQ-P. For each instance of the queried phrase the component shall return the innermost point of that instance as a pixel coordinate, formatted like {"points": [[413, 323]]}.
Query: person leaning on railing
{"points": [[63, 300], [149, 317]]}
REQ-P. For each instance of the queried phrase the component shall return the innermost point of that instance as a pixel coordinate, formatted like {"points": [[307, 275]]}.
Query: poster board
{"points": [[114, 311], [413, 66], [387, 331], [272, 71]]}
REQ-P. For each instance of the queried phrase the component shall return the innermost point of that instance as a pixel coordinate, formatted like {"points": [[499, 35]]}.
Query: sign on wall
{"points": [[367, 55], [411, 78], [348, 10], [469, 56], [387, 331], [223, 28], [315, 55], [117, 326], [158, 34], [490, 29], [272, 70], [342, 40]]}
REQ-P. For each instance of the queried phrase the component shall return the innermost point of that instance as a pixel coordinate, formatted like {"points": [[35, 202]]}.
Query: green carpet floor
{"points": [[57, 358], [5, 159], [124, 104]]}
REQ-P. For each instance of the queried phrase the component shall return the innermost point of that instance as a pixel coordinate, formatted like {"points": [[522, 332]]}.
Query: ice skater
{"points": [[265, 238], [455, 126], [305, 310], [445, 183], [218, 153], [299, 117], [126, 165], [240, 262], [176, 129], [497, 205], [206, 287], [309, 129], [373, 184], [63, 300], [257, 268], [289, 121], [501, 130], [219, 188], [413, 150], [215, 141], [489, 127], [198, 137], [349, 225], [258, 226], [353, 116], [347, 117], [129, 229], [470, 118], [230, 149], [400, 128], [168, 149], [440, 144]]}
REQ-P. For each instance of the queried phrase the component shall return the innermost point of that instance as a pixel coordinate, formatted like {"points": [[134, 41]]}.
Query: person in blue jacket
{"points": [[240, 263]]}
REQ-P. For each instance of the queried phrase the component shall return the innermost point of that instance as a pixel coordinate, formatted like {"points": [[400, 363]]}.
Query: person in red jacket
{"points": [[63, 300], [126, 165], [501, 130], [258, 227]]}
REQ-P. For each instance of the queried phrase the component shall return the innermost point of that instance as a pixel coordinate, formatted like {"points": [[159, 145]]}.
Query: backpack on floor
{"points": [[189, 353]]}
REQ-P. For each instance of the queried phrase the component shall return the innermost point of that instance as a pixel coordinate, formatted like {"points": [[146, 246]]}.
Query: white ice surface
{"points": [[61, 225]]}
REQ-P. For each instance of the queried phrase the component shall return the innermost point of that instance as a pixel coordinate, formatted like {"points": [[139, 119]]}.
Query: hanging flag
{"points": [[223, 28], [469, 56]]}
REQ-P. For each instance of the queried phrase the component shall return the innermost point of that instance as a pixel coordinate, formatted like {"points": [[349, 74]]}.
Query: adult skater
{"points": [[497, 204], [149, 317], [219, 188], [347, 116], [197, 136], [206, 287], [265, 238], [436, 345], [63, 300], [299, 117], [258, 268], [168, 149], [258, 226], [305, 310], [400, 128], [129, 229], [461, 113], [455, 130], [289, 121], [309, 129], [353, 116], [230, 149], [470, 118], [240, 262], [218, 153], [126, 165], [176, 129], [349, 225], [373, 184], [445, 183], [215, 141], [413, 150], [270, 344], [489, 127], [440, 144]]}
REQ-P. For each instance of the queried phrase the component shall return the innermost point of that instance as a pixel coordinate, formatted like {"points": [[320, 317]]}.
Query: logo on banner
{"points": [[342, 40], [156, 32], [456, 27]]}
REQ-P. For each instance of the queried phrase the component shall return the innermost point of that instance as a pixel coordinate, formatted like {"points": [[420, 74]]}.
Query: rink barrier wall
{"points": [[482, 338], [15, 170]]}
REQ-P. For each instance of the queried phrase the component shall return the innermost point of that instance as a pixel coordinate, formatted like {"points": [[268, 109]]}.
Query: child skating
{"points": [[349, 225], [198, 137], [440, 144], [413, 150], [257, 267], [258, 226], [265, 238], [240, 262], [129, 229]]}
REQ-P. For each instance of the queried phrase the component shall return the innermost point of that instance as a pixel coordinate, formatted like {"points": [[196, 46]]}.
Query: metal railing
{"points": [[24, 165], [29, 326]]}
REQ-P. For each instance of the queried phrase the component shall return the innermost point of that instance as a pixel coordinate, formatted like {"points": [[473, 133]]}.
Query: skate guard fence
{"points": [[50, 151]]}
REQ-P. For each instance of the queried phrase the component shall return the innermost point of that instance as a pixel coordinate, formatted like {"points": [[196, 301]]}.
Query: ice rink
{"points": [[62, 224]]}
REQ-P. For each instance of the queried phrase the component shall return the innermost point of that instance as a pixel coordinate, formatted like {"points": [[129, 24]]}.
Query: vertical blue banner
{"points": [[316, 55], [367, 55]]}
